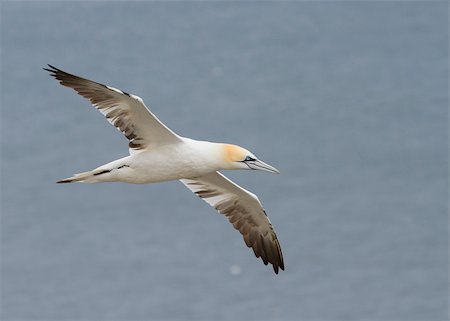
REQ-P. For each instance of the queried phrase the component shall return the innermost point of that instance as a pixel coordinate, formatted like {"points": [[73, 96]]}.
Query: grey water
{"points": [[349, 100]]}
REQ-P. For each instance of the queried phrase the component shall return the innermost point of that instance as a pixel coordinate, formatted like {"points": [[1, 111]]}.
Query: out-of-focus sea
{"points": [[349, 100]]}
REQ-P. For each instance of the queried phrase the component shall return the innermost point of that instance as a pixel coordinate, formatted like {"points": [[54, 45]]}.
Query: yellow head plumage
{"points": [[236, 157], [233, 153]]}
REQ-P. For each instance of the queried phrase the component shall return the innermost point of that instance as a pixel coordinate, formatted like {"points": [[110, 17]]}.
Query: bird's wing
{"points": [[126, 112], [244, 211]]}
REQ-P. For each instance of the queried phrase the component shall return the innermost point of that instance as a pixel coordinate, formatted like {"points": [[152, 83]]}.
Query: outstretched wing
{"points": [[126, 112], [244, 211]]}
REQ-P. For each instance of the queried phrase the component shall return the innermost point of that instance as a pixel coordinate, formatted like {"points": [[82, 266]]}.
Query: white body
{"points": [[186, 159]]}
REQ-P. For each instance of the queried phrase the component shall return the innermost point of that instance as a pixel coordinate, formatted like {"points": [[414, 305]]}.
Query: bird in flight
{"points": [[157, 154]]}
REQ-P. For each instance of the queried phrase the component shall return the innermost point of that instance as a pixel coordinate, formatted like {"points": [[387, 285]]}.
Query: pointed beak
{"points": [[260, 165]]}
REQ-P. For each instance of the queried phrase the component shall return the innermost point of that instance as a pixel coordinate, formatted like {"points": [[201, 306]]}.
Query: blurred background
{"points": [[349, 100]]}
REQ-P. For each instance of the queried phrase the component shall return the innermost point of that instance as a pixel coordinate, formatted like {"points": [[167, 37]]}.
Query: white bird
{"points": [[158, 154]]}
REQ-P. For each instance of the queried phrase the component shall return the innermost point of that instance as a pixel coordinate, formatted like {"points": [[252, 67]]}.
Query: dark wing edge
{"points": [[123, 110], [102, 97], [264, 243], [79, 84]]}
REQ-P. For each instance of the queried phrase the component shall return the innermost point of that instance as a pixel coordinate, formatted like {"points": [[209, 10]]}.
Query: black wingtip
{"points": [[52, 69], [277, 267]]}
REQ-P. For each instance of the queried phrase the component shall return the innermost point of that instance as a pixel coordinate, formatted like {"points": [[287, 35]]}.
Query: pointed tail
{"points": [[80, 177]]}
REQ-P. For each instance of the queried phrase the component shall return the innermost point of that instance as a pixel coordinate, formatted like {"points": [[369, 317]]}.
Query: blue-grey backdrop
{"points": [[349, 100]]}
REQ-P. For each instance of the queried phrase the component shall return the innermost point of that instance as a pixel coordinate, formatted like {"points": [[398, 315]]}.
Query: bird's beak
{"points": [[260, 165]]}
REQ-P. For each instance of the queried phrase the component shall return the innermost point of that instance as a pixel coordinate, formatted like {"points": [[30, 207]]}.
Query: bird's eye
{"points": [[249, 159]]}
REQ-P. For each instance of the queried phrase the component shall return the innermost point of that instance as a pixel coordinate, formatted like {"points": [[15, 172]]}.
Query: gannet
{"points": [[157, 154]]}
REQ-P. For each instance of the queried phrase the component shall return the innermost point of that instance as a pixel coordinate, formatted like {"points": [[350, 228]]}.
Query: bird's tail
{"points": [[85, 177]]}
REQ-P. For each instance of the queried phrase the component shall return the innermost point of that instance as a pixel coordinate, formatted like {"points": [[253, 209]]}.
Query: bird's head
{"points": [[237, 157]]}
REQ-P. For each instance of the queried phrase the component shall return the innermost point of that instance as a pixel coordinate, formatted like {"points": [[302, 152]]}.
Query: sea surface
{"points": [[349, 100]]}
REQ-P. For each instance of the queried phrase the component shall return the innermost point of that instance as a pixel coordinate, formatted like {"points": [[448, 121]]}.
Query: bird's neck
{"points": [[215, 155]]}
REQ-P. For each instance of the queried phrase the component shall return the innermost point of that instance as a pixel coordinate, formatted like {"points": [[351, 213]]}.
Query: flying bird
{"points": [[157, 154]]}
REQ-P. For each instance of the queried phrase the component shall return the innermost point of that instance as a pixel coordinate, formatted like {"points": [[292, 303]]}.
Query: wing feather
{"points": [[124, 111], [244, 212]]}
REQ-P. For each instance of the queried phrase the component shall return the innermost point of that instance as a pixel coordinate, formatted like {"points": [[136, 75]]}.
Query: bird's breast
{"points": [[169, 163]]}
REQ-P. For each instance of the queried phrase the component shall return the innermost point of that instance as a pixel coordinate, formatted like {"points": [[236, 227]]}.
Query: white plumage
{"points": [[158, 154]]}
